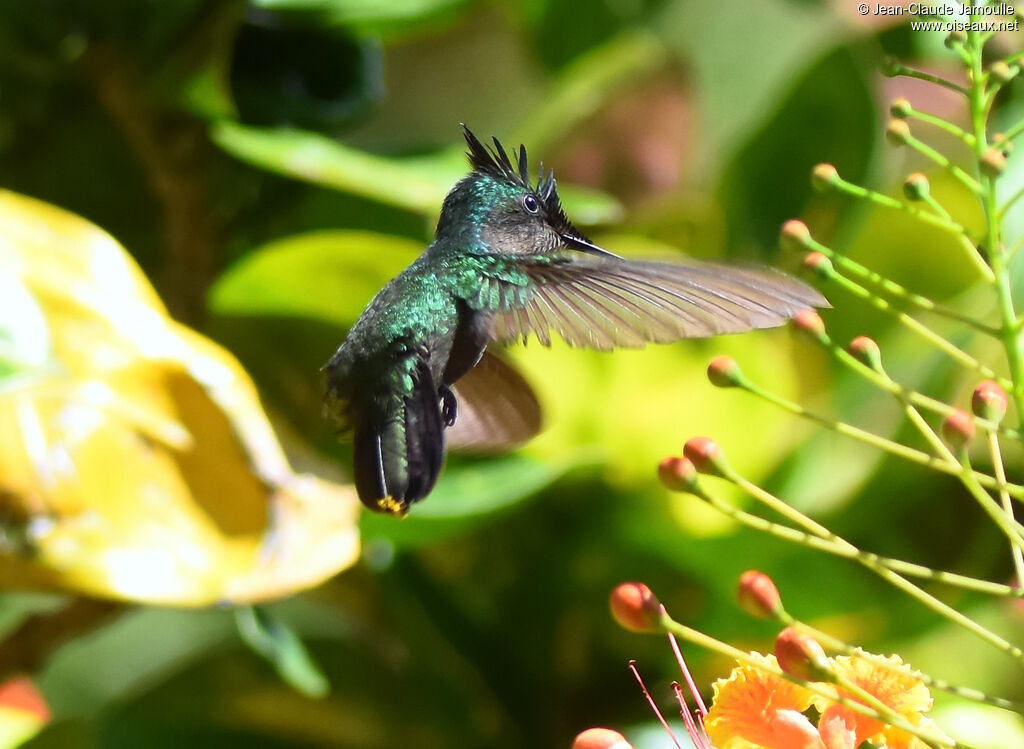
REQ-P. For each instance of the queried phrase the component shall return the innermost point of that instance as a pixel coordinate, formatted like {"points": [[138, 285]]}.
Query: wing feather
{"points": [[605, 303]]}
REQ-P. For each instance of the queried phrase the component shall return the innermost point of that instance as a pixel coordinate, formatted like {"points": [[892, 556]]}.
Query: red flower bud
{"points": [[989, 401], [800, 655], [819, 264], [600, 738], [808, 321], [724, 372], [635, 607], [677, 474], [958, 429], [706, 455], [866, 351], [758, 595]]}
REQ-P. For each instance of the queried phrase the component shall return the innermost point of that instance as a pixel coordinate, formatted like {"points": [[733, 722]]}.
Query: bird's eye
{"points": [[531, 204]]}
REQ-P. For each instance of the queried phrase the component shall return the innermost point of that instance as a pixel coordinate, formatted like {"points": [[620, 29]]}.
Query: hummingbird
{"points": [[506, 263]]}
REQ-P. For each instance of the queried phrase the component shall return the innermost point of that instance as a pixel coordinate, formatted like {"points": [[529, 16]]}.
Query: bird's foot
{"points": [[449, 406]]}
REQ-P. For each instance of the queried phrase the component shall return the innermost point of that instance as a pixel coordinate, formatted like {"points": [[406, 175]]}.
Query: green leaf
{"points": [[415, 183], [327, 275], [276, 642]]}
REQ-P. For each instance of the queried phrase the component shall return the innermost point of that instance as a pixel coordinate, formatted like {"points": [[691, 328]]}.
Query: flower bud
{"points": [[958, 429], [989, 401], [819, 264], [866, 351], [955, 39], [795, 235], [635, 607], [916, 187], [600, 738], [724, 372], [1002, 72], [706, 455], [897, 131], [809, 322], [677, 474], [900, 108], [758, 595], [891, 67], [993, 163], [824, 177], [801, 655]]}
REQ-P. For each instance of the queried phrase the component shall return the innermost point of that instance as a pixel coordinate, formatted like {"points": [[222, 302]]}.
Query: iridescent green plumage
{"points": [[506, 263]]}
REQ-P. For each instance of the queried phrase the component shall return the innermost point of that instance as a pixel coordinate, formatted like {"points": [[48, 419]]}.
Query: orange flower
{"points": [[755, 708], [903, 692]]}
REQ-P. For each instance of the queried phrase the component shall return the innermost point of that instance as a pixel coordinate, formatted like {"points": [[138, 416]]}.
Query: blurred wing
{"points": [[496, 408], [603, 304]]}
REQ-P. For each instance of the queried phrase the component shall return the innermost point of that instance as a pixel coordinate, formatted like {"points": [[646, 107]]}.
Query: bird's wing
{"points": [[497, 408], [605, 303]]}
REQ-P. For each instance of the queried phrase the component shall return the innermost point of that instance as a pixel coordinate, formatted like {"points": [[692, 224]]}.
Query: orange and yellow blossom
{"points": [[756, 708], [902, 691]]}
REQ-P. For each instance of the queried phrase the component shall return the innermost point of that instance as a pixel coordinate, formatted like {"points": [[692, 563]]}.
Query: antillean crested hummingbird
{"points": [[506, 263]]}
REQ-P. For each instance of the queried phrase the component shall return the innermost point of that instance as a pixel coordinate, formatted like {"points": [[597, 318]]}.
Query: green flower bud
{"points": [[916, 187], [795, 235], [897, 131], [824, 177]]}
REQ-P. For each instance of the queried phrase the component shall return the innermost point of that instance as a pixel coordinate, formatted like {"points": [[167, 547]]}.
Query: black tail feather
{"points": [[399, 451]]}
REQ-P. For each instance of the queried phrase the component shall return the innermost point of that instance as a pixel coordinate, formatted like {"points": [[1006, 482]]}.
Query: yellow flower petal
{"points": [[754, 708], [138, 458], [903, 692]]}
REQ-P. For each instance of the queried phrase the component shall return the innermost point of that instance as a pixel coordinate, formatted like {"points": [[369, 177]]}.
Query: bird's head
{"points": [[496, 208]]}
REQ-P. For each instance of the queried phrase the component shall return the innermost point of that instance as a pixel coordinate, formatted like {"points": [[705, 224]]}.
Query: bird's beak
{"points": [[581, 243]]}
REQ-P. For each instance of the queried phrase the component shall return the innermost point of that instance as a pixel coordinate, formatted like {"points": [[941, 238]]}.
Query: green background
{"points": [[271, 164]]}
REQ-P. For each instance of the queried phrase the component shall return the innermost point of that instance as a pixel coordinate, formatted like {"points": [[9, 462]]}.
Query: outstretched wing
{"points": [[497, 408], [607, 303]]}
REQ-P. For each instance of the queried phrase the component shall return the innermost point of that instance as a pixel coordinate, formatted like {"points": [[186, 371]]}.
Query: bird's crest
{"points": [[496, 162]]}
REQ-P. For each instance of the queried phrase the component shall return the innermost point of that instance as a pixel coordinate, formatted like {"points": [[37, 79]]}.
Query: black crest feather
{"points": [[495, 161]]}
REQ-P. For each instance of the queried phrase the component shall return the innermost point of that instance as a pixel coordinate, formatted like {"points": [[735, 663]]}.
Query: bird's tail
{"points": [[399, 447]]}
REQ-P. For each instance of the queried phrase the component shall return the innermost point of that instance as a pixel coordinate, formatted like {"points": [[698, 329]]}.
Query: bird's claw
{"points": [[449, 406]]}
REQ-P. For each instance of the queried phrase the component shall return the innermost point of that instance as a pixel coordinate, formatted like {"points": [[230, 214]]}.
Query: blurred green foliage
{"points": [[272, 163]]}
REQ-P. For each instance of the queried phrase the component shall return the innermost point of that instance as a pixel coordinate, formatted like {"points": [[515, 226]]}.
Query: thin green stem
{"points": [[923, 597], [847, 551], [954, 352], [901, 292], [862, 435], [900, 69], [1010, 527], [991, 242], [1004, 500], [942, 160], [881, 379], [943, 124], [831, 643], [863, 193], [1009, 204]]}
